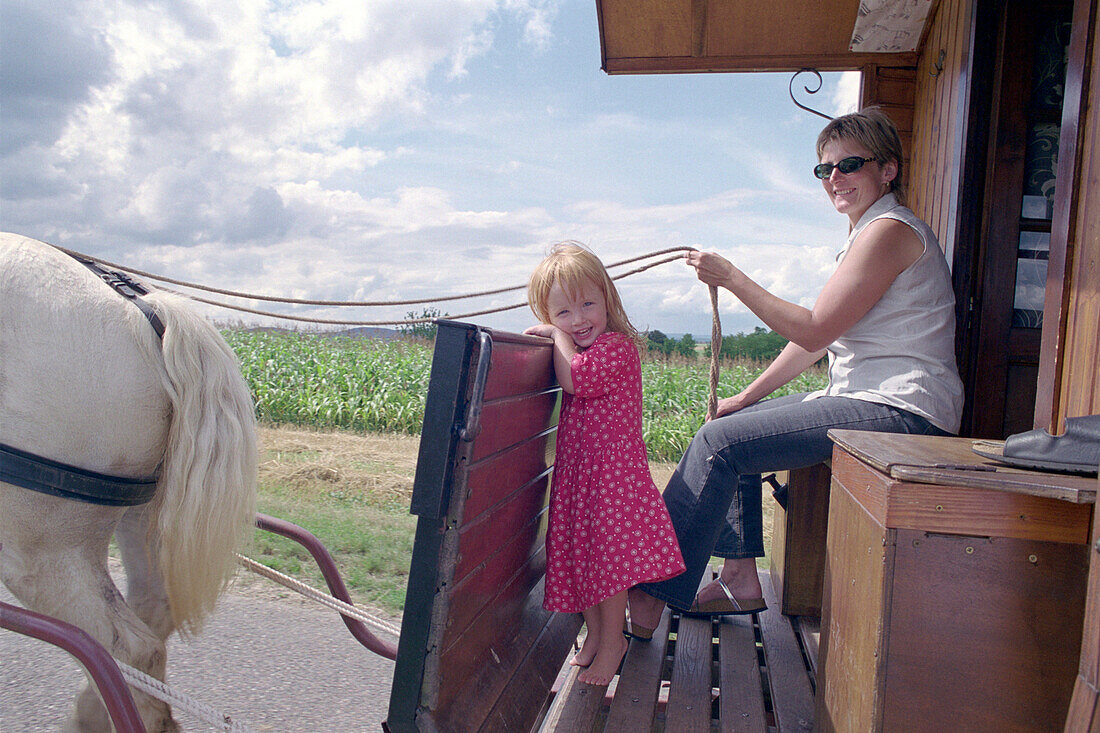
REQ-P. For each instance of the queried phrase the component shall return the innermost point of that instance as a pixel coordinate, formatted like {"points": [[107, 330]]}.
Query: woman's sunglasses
{"points": [[846, 166]]}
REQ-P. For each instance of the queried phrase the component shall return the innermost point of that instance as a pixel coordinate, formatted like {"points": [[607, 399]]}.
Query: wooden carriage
{"points": [[477, 651], [998, 102]]}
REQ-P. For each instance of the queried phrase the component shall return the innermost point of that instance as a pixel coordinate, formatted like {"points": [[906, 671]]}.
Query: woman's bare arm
{"points": [[792, 361], [878, 255]]}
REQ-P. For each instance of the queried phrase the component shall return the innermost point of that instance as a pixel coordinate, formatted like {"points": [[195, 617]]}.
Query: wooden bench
{"points": [[477, 650]]}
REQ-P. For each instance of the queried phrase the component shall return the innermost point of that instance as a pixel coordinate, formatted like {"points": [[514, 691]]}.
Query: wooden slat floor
{"points": [[751, 674]]}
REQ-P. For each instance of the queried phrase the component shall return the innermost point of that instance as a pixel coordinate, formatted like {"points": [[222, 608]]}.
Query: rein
{"points": [[125, 286]]}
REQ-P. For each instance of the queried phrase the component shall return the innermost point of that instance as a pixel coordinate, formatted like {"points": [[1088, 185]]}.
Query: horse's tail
{"points": [[207, 487]]}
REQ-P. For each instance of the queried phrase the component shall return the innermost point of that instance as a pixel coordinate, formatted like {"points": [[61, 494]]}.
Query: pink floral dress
{"points": [[609, 528]]}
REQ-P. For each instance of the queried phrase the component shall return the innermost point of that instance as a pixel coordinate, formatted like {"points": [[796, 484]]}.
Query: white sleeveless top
{"points": [[902, 352]]}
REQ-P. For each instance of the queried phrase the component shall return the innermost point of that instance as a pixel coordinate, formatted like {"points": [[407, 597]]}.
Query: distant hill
{"points": [[369, 332]]}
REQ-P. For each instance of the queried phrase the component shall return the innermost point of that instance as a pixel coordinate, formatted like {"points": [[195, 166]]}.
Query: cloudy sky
{"points": [[398, 149]]}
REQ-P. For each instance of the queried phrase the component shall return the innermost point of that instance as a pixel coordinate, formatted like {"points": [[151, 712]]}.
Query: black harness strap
{"points": [[72, 482], [128, 288], [58, 479]]}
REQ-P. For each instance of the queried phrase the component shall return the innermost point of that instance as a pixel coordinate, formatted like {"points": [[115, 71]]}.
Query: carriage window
{"points": [[1041, 165]]}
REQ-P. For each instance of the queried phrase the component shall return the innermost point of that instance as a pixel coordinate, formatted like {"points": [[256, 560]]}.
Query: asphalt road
{"points": [[274, 664]]}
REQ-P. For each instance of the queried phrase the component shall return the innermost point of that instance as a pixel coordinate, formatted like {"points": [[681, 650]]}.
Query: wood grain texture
{"points": [[689, 696], [858, 566], [798, 542]]}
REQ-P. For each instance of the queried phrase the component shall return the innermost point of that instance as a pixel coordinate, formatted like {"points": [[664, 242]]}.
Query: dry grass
{"points": [[375, 466], [353, 491]]}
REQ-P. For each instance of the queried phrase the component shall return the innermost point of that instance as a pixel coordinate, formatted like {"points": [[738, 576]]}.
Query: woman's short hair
{"points": [[872, 129]]}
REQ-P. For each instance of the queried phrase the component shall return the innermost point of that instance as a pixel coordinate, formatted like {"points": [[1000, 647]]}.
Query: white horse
{"points": [[85, 381]]}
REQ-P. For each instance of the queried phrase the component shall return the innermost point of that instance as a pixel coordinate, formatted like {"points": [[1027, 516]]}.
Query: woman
{"points": [[886, 318]]}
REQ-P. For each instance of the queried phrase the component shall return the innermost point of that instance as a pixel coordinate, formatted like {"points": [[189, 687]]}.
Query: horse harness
{"points": [[20, 468]]}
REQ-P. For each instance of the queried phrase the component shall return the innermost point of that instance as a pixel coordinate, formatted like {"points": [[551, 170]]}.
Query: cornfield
{"points": [[370, 385]]}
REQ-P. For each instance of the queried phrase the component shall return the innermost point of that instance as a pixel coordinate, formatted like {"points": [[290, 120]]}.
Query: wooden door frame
{"points": [[981, 356], [1048, 409]]}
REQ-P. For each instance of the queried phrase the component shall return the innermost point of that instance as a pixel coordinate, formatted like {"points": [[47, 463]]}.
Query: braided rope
{"points": [[404, 321], [301, 301], [155, 688], [715, 353], [320, 596]]}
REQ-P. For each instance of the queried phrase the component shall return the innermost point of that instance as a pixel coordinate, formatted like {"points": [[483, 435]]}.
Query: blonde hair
{"points": [[873, 130], [570, 264]]}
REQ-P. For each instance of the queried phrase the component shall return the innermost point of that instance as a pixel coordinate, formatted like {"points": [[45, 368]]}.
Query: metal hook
{"points": [[938, 66], [790, 90]]}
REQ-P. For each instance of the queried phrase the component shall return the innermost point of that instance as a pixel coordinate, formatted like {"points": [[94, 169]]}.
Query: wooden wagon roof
{"points": [[654, 36]]}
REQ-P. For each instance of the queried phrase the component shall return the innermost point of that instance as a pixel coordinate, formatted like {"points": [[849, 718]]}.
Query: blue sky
{"points": [[376, 150]]}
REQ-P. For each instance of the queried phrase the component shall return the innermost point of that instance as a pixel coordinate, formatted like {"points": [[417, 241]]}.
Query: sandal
{"points": [[637, 631], [728, 606]]}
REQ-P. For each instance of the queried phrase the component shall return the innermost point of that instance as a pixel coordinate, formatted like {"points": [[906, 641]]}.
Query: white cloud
{"points": [[301, 148], [846, 96]]}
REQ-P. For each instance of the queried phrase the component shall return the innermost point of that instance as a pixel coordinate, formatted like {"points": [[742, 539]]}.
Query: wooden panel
{"points": [[510, 573], [654, 36], [861, 551], [507, 421], [903, 505], [519, 518], [798, 542], [520, 364], [1084, 711], [1020, 382], [740, 706], [941, 99], [490, 481], [791, 695], [1001, 614], [893, 89], [524, 699], [496, 641], [1064, 371], [477, 648], [475, 675], [1080, 372], [689, 695]]}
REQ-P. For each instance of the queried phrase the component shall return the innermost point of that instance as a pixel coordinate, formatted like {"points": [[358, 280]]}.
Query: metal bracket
{"points": [[790, 90], [473, 412]]}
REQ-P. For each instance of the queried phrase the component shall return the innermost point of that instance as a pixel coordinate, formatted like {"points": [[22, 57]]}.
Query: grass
{"points": [[352, 492], [344, 467], [367, 385]]}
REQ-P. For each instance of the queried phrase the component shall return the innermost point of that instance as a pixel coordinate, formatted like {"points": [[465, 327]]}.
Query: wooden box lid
{"points": [[951, 461]]}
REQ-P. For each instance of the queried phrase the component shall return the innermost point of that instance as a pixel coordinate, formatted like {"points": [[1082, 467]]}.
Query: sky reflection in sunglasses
{"points": [[846, 166]]}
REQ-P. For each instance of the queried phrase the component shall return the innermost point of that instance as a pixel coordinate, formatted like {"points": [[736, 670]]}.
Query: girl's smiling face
{"points": [[582, 315], [853, 193]]}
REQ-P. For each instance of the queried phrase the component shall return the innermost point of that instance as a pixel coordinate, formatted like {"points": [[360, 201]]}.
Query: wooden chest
{"points": [[954, 597]]}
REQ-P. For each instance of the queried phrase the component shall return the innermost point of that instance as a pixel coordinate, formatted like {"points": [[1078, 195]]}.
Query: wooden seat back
{"points": [[477, 649]]}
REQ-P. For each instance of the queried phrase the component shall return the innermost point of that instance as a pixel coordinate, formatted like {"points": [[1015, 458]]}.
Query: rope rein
{"points": [[715, 353], [318, 595], [715, 333], [155, 688], [300, 301]]}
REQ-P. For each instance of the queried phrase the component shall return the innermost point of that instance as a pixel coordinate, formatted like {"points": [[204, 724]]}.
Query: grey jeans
{"points": [[714, 495]]}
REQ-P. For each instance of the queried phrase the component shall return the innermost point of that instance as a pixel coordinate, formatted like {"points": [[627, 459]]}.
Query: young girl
{"points": [[609, 529]]}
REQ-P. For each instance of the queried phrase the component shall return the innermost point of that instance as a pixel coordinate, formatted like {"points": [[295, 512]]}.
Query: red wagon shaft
{"points": [[100, 665]]}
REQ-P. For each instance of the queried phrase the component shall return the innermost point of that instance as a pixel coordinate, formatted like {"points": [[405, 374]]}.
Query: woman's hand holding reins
{"points": [[711, 267]]}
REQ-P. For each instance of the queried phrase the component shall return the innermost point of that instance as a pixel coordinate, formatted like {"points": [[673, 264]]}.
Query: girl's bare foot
{"points": [[606, 663], [584, 657]]}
